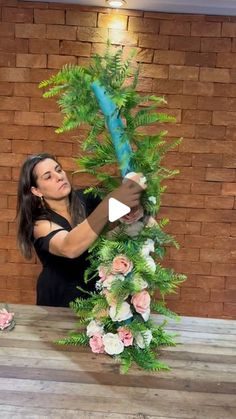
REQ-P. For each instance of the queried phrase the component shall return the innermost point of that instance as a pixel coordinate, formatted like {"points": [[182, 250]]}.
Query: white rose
{"points": [[93, 328], [139, 283], [112, 278], [112, 344], [151, 263], [152, 199], [147, 247], [133, 229], [143, 339], [123, 313]]}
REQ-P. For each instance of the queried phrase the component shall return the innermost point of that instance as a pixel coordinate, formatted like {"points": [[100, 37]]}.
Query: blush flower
{"points": [[125, 336], [112, 344], [6, 319], [134, 215], [96, 344], [141, 302], [121, 265], [123, 313]]}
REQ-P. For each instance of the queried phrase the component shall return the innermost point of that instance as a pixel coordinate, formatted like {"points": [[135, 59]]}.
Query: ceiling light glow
{"points": [[116, 3]]}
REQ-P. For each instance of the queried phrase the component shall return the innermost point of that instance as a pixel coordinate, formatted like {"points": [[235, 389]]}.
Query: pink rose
{"points": [[96, 344], [141, 301], [121, 265], [125, 336], [134, 215], [5, 318]]}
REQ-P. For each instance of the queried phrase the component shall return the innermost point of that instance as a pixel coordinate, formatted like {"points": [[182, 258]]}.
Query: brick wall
{"points": [[191, 59]]}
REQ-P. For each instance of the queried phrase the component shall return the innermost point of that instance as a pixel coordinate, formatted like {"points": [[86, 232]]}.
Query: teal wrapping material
{"points": [[115, 126]]}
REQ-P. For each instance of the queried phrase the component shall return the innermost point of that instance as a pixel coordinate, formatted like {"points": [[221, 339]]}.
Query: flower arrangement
{"points": [[7, 321], [127, 259]]}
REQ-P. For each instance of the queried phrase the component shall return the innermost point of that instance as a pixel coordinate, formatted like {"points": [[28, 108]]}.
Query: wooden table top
{"points": [[39, 379]]}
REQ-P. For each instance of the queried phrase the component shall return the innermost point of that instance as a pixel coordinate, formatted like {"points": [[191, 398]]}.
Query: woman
{"points": [[61, 224]]}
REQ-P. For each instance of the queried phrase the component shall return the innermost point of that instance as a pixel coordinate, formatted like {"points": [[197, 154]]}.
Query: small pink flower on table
{"points": [[141, 302], [96, 344], [6, 319], [125, 336]]}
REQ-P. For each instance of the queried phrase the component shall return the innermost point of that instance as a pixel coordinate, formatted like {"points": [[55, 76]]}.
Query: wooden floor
{"points": [[39, 379]]}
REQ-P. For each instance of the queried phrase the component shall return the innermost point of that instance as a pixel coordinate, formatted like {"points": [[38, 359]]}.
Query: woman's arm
{"points": [[72, 244]]}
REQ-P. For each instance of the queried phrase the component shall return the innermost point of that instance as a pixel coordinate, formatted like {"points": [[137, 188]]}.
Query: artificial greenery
{"points": [[72, 86]]}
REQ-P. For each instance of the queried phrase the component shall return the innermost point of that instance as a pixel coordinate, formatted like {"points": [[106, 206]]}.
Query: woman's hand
{"points": [[128, 193]]}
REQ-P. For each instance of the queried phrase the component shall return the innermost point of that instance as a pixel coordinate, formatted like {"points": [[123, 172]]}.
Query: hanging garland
{"points": [[128, 258]]}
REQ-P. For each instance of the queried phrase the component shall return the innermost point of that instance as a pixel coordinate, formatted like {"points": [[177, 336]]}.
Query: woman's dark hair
{"points": [[31, 208]]}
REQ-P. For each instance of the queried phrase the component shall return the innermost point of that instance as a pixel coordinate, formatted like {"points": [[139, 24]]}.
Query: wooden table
{"points": [[39, 379]]}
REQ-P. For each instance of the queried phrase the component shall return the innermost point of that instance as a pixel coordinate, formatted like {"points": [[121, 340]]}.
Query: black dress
{"points": [[60, 276]]}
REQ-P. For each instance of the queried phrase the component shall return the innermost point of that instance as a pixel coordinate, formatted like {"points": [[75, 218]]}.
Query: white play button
{"points": [[116, 209]]}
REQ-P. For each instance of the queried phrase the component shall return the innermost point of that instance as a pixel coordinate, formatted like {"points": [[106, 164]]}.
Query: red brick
{"points": [[224, 269], [5, 146], [27, 89], [115, 36], [93, 34], [181, 200], [229, 189], [112, 21], [215, 282], [228, 29], [154, 71], [58, 148], [75, 48], [176, 227], [27, 297], [195, 294], [43, 105], [209, 215], [10, 296], [172, 213], [200, 59], [61, 32], [14, 74], [210, 131], [6, 117], [174, 186], [226, 243], [219, 202], [185, 43], [196, 116], [223, 295], [215, 229], [230, 135], [5, 174], [12, 199], [198, 241], [3, 201], [227, 59], [190, 267], [153, 41], [29, 147], [31, 60], [223, 89], [184, 254], [58, 61], [14, 45], [230, 284], [169, 57], [29, 118], [224, 118], [14, 14], [211, 146], [214, 255], [168, 86], [48, 133], [53, 119], [174, 28], [29, 30], [214, 103], [220, 175], [7, 60], [3, 228], [216, 75], [77, 18], [6, 30], [182, 101], [14, 103], [7, 215], [230, 310], [25, 269], [49, 16], [23, 283], [183, 73], [206, 188], [12, 131], [215, 44], [206, 29], [207, 160], [198, 88], [145, 25], [37, 74], [143, 55], [177, 159], [210, 309], [44, 46], [6, 89]]}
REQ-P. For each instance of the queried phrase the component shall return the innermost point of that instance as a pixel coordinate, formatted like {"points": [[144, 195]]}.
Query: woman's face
{"points": [[51, 180]]}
